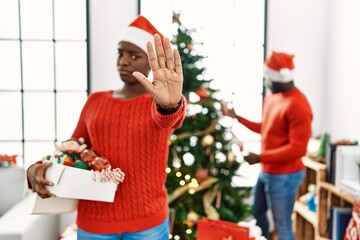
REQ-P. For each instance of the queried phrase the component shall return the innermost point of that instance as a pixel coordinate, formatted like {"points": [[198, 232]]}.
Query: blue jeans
{"points": [[277, 192], [159, 232]]}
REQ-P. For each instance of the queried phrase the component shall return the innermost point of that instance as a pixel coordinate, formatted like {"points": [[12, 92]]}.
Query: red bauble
{"points": [[88, 156], [68, 161], [99, 164], [202, 92], [202, 174]]}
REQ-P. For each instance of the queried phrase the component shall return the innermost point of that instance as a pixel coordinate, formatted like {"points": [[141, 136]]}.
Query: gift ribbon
{"points": [[208, 198], [181, 190]]}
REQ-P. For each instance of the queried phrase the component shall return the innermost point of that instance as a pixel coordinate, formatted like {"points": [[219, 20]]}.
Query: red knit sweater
{"points": [[134, 136], [285, 131]]}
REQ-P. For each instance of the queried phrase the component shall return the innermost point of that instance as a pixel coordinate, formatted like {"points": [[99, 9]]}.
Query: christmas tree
{"points": [[201, 160]]}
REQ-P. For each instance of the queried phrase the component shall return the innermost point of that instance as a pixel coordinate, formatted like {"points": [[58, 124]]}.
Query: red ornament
{"points": [[68, 161], [99, 164], [202, 174], [88, 156], [202, 92]]}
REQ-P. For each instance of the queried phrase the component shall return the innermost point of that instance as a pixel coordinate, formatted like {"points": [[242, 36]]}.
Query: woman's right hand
{"points": [[36, 176]]}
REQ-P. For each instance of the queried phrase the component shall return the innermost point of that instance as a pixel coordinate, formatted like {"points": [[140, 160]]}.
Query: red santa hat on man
{"points": [[279, 67], [139, 32]]}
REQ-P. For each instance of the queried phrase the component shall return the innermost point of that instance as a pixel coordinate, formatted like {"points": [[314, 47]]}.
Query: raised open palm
{"points": [[166, 87]]}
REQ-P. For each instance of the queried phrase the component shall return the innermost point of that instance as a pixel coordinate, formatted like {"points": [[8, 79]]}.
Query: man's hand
{"points": [[252, 158], [227, 111], [166, 88]]}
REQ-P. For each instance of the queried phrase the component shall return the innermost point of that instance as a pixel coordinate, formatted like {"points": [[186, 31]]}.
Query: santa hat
{"points": [[279, 67], [139, 32]]}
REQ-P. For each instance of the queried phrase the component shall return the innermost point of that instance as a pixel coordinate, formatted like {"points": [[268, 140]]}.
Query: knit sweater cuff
{"points": [[171, 120]]}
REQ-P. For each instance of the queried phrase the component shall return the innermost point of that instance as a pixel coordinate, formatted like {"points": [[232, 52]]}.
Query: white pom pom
{"points": [[81, 140], [284, 72]]}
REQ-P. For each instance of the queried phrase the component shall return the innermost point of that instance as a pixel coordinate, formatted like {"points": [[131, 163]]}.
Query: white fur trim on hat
{"points": [[137, 37], [284, 75]]}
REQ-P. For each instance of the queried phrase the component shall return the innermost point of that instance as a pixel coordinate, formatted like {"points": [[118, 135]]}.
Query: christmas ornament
{"points": [[88, 156], [190, 47], [193, 216], [68, 161], [99, 164], [207, 141], [175, 17], [202, 92], [188, 223], [81, 164], [230, 157], [202, 174], [176, 160], [76, 155]]}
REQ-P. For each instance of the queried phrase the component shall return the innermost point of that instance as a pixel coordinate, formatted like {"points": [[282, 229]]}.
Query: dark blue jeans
{"points": [[276, 192]]}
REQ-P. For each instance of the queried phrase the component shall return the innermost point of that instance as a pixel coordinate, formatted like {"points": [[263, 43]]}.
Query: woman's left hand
{"points": [[166, 88]]}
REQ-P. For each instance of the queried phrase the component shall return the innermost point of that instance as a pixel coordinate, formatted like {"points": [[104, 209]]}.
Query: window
{"points": [[233, 37], [44, 74]]}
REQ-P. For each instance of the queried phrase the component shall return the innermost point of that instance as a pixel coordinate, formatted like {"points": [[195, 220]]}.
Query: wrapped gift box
{"points": [[208, 229]]}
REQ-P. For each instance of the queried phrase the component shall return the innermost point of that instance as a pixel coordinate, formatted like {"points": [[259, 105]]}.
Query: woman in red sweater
{"points": [[285, 131], [131, 127]]}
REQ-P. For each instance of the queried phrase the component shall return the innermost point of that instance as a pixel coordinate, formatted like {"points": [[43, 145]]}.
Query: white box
{"points": [[71, 184], [347, 172]]}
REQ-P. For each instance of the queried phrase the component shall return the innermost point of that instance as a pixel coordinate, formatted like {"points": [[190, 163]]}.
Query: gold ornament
{"points": [[208, 140], [231, 157], [176, 160], [192, 216], [188, 223]]}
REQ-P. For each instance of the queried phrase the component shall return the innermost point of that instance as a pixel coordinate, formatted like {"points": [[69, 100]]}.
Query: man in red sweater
{"points": [[131, 127], [285, 131]]}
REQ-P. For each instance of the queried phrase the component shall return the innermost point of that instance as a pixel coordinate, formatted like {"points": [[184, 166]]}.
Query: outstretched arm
{"points": [[166, 87], [228, 111]]}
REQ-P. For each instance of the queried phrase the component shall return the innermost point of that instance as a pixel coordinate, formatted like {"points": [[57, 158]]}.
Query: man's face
{"points": [[274, 87]]}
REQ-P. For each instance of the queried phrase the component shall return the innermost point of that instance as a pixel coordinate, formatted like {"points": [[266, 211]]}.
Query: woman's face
{"points": [[130, 59]]}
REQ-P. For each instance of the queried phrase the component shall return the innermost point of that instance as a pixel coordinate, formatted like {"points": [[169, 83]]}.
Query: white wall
{"points": [[343, 81], [300, 28], [107, 20], [325, 37]]}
